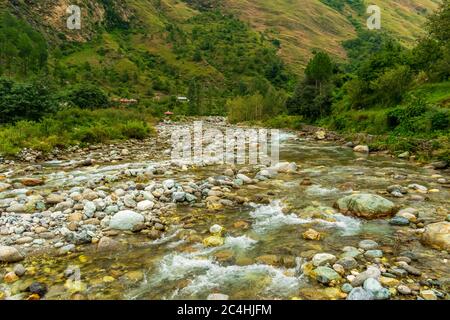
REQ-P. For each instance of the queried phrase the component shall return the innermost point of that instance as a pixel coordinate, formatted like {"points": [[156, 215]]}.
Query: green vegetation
{"points": [[158, 50], [74, 127], [23, 51]]}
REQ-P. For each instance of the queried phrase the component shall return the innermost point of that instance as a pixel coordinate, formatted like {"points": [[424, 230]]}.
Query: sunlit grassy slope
{"points": [[305, 25]]}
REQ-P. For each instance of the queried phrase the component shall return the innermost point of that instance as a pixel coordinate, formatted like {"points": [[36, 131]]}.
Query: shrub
{"points": [[87, 96]]}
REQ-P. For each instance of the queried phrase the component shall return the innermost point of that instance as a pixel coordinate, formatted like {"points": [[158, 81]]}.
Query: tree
{"points": [[319, 70], [88, 96], [313, 96], [24, 101]]}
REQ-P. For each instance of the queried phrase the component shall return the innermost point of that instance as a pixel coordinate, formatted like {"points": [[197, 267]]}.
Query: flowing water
{"points": [[262, 255]]}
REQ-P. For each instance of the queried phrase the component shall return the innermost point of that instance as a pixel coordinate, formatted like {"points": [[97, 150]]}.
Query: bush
{"points": [[285, 121], [74, 126], [24, 101], [440, 120], [135, 129]]}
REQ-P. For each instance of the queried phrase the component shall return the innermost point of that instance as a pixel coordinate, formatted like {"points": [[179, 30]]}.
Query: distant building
{"points": [[125, 101], [182, 99]]}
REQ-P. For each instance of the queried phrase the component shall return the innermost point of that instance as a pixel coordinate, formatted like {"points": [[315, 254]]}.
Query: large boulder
{"points": [[126, 220], [364, 205], [438, 235], [10, 254]]}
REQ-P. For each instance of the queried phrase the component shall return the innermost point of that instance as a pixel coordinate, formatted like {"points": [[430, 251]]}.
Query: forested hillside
{"points": [[280, 61]]}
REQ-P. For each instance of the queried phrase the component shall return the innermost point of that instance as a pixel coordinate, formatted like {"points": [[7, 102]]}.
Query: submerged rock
{"points": [[366, 205], [311, 234], [213, 241]]}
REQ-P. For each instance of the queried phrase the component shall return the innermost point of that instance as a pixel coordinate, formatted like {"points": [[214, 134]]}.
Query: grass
{"points": [[436, 93], [75, 127]]}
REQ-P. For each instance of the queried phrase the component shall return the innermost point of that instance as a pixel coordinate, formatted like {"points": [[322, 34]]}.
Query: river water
{"points": [[264, 248]]}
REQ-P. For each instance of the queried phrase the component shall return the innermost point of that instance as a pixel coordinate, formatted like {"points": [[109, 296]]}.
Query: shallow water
{"points": [[174, 268]]}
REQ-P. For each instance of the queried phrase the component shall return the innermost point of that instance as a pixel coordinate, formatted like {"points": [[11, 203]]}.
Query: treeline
{"points": [[23, 51]]}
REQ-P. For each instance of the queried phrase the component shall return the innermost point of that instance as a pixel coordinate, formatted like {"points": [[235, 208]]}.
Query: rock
{"points": [[10, 254], [350, 252], [367, 244], [66, 249], [416, 197], [89, 209], [217, 296], [38, 288], [372, 254], [54, 198], [216, 229], [382, 294], [339, 269], [389, 282], [213, 241], [360, 294], [402, 289], [404, 155], [346, 287], [440, 165], [178, 196], [244, 178], [418, 187], [228, 172], [321, 259], [107, 244], [269, 259], [321, 135], [372, 285], [437, 235], [365, 205], [126, 220], [168, 184], [371, 272], [407, 215], [145, 205], [348, 263], [399, 221], [361, 149], [325, 275], [10, 277], [428, 295], [32, 182], [311, 234], [397, 188], [75, 217], [19, 270], [411, 270], [4, 186], [190, 197], [306, 182], [17, 208]]}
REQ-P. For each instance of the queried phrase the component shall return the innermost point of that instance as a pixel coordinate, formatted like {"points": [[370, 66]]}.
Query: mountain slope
{"points": [[152, 48], [304, 25]]}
